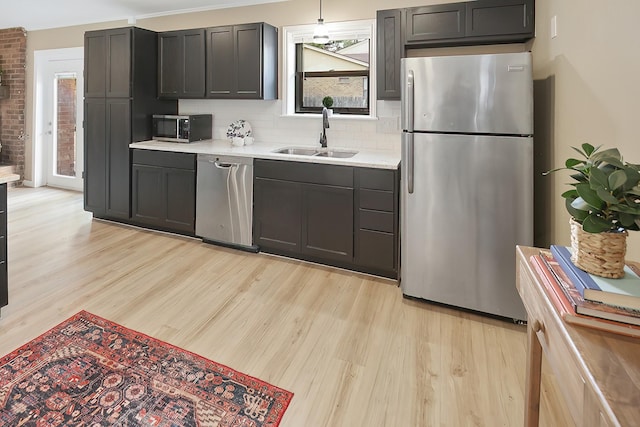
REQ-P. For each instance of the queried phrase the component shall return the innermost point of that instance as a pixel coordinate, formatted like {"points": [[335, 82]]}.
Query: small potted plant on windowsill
{"points": [[604, 205], [327, 102]]}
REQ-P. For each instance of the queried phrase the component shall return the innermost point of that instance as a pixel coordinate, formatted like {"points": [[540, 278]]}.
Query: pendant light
{"points": [[320, 34]]}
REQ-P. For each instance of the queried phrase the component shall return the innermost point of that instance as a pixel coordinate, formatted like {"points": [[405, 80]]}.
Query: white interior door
{"points": [[62, 127]]}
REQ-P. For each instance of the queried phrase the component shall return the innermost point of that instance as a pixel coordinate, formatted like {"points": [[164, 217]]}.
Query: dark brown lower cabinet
{"points": [[376, 250], [180, 191], [376, 220], [148, 194], [278, 214], [164, 190], [303, 220], [4, 282], [327, 227], [319, 213]]}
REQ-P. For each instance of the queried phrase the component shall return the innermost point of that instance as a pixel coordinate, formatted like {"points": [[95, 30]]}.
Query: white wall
{"points": [[592, 90]]}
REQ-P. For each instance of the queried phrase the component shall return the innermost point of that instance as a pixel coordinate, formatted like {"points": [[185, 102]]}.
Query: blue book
{"points": [[578, 277], [623, 292]]}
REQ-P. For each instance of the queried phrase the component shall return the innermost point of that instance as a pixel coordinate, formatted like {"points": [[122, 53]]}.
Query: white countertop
{"points": [[8, 177], [261, 150]]}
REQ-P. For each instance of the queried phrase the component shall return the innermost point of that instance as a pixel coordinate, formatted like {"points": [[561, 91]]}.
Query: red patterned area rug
{"points": [[89, 371]]}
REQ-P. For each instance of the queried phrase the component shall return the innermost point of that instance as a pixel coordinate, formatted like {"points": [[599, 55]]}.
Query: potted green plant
{"points": [[604, 205], [327, 102]]}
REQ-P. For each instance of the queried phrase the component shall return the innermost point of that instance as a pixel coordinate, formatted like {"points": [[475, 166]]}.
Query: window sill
{"points": [[332, 117]]}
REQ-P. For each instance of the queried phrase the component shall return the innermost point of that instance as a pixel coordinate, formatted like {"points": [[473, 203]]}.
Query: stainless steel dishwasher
{"points": [[224, 201]]}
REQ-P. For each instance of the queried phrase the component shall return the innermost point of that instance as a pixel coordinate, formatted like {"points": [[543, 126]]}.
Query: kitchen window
{"points": [[340, 69]]}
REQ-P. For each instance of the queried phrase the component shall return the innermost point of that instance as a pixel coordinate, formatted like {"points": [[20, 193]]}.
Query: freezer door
{"points": [[491, 94], [472, 203]]}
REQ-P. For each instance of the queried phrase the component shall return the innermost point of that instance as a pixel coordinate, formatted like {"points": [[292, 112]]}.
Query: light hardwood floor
{"points": [[351, 348]]}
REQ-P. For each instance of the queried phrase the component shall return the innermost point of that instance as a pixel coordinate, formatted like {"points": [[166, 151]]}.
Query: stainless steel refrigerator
{"points": [[467, 179]]}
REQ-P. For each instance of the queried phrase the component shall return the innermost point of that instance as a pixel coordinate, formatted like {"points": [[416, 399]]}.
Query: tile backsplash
{"points": [[269, 125]]}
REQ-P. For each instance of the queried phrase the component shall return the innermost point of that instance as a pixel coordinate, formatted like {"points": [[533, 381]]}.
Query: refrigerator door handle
{"points": [[407, 107], [409, 158], [407, 125]]}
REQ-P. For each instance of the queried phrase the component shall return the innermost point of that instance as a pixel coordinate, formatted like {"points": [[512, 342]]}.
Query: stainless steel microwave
{"points": [[182, 128]]}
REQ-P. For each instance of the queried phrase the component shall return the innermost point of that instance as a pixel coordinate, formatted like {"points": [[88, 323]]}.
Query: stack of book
{"points": [[588, 300]]}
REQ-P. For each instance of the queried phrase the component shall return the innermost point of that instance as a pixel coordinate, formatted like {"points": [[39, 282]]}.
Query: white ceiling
{"points": [[41, 14]]}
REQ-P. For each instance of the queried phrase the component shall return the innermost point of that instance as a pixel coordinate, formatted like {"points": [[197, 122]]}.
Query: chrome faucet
{"points": [[325, 126]]}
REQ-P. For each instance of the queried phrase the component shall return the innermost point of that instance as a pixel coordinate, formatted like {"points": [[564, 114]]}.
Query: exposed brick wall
{"points": [[66, 124], [13, 51]]}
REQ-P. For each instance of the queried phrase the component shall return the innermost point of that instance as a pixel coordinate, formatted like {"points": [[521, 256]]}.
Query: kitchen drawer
{"points": [[376, 200], [376, 179], [165, 159], [376, 220], [375, 249], [554, 342], [311, 173]]}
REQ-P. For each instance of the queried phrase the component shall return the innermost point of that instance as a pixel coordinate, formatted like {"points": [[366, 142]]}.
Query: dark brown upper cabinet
{"points": [[181, 64], [468, 23], [108, 64], [443, 21], [220, 57], [500, 18], [390, 51], [477, 22], [242, 61]]}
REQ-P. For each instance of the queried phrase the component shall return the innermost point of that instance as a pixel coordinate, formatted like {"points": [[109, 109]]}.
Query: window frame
{"points": [[291, 35]]}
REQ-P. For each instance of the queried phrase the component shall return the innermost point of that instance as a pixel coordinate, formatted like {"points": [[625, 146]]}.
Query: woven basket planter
{"points": [[601, 254]]}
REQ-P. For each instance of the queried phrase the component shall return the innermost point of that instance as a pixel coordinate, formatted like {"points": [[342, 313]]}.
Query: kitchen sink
{"points": [[338, 154], [318, 152], [297, 151]]}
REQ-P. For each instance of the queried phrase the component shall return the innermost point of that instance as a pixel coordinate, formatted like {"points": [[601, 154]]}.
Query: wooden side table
{"points": [[598, 373]]}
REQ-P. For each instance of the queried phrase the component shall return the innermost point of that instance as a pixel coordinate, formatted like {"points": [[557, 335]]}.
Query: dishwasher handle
{"points": [[221, 165]]}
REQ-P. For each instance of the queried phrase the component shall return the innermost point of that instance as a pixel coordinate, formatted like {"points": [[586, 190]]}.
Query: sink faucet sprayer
{"points": [[325, 126]]}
